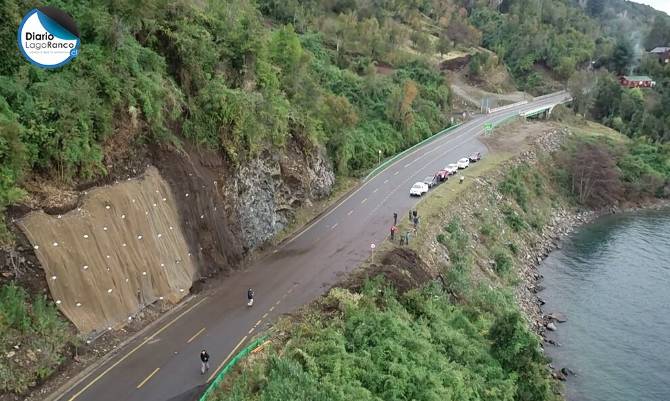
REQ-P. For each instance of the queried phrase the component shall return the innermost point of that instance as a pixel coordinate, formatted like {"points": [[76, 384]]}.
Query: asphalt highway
{"points": [[164, 364]]}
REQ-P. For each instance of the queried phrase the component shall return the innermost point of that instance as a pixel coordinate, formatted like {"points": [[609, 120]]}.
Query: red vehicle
{"points": [[475, 157], [442, 175]]}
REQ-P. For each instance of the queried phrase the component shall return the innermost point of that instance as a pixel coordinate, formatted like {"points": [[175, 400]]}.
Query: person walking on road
{"points": [[204, 358], [395, 218], [250, 297], [393, 230]]}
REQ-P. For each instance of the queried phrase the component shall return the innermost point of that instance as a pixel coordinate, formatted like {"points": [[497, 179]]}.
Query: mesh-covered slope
{"points": [[121, 250]]}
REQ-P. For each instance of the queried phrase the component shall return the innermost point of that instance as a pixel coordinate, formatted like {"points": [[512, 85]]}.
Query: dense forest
{"points": [[239, 76], [353, 77]]}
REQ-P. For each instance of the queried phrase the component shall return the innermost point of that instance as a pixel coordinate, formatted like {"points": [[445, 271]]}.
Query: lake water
{"points": [[612, 281]]}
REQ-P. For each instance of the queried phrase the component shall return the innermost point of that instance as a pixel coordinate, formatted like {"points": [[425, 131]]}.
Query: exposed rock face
{"points": [[267, 190]]}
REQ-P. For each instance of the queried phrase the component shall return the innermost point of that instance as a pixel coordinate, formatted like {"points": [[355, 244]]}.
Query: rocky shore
{"points": [[563, 222]]}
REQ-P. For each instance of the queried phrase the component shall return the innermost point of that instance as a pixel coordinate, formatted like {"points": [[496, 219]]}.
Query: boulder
{"points": [[558, 317]]}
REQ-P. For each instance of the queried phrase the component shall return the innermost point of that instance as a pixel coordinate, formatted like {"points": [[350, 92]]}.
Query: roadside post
{"points": [[372, 252], [379, 157], [488, 129]]}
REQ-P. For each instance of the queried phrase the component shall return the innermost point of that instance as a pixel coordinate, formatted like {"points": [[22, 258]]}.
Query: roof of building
{"points": [[636, 78], [660, 50]]}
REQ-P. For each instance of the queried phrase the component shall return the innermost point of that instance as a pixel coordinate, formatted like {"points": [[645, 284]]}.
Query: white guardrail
{"points": [[509, 106]]}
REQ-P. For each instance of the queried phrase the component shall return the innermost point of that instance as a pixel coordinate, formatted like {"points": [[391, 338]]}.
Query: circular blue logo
{"points": [[48, 37]]}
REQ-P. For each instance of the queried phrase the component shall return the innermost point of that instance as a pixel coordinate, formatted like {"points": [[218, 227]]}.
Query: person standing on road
{"points": [[393, 230], [395, 218], [204, 358], [250, 297]]}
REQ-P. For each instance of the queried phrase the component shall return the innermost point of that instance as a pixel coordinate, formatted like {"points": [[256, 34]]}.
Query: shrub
{"points": [[513, 219], [503, 262], [515, 186], [39, 329]]}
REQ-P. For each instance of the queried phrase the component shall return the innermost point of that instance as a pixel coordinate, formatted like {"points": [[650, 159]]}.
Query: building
{"points": [[632, 81], [663, 54]]}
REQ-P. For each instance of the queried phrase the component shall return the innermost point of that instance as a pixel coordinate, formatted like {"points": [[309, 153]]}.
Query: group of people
{"points": [[404, 239]]}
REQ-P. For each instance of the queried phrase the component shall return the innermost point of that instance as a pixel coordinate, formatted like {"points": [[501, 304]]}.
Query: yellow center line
{"points": [[195, 335], [148, 377], [92, 382], [226, 360]]}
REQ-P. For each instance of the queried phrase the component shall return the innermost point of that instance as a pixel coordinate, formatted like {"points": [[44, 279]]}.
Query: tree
{"points": [[399, 108], [622, 57], [607, 98], [443, 44], [659, 34], [581, 85], [595, 7], [594, 176]]}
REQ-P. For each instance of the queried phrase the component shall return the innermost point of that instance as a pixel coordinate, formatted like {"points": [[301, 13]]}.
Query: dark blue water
{"points": [[612, 280]]}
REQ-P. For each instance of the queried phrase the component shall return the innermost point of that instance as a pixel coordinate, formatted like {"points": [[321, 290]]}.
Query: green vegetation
{"points": [[378, 345], [32, 334], [599, 171], [215, 74]]}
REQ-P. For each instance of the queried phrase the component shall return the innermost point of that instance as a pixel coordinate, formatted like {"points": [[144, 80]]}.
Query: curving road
{"points": [[164, 364]]}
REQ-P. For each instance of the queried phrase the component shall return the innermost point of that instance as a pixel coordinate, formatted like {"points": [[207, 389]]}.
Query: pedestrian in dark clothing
{"points": [[250, 297], [204, 358], [416, 222], [410, 215], [415, 213], [395, 218]]}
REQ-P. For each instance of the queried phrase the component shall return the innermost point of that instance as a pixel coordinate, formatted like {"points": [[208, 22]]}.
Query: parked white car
{"points": [[418, 189], [463, 163], [452, 168]]}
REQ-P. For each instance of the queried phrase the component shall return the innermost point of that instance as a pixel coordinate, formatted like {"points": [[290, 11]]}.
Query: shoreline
{"points": [[564, 222]]}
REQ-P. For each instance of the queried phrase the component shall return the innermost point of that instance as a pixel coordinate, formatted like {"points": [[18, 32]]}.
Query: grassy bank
{"points": [[458, 334], [34, 339]]}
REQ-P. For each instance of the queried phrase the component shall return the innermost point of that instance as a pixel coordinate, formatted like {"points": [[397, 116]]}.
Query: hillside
{"points": [[242, 115]]}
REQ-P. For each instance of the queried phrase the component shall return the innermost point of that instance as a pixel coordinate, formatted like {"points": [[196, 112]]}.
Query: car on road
{"points": [[463, 163], [475, 157], [442, 175], [452, 168], [418, 189], [431, 181]]}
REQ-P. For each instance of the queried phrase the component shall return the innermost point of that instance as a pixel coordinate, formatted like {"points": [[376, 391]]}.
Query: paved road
{"points": [[164, 365]]}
